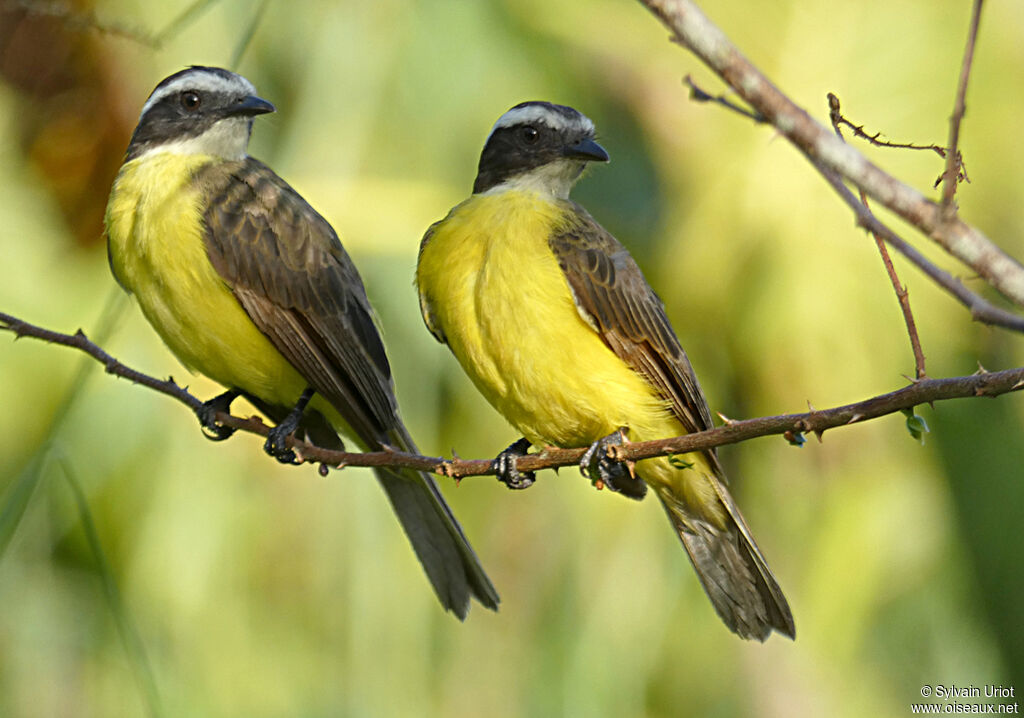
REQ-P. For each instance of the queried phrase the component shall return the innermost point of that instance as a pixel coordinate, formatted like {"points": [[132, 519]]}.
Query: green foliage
{"points": [[916, 425]]}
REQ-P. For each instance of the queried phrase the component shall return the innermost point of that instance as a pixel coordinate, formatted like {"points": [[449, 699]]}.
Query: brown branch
{"points": [[691, 28], [903, 297], [982, 383], [960, 169], [858, 131], [699, 95], [901, 291], [981, 309], [959, 108]]}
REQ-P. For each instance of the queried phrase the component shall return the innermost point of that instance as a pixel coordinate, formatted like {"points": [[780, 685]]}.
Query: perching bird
{"points": [[248, 285], [553, 321]]}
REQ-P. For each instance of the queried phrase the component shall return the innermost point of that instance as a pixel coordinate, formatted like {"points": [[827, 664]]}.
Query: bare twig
{"points": [[835, 114], [981, 309], [691, 28], [699, 95], [901, 291], [982, 383], [959, 108], [903, 296], [838, 120], [79, 341]]}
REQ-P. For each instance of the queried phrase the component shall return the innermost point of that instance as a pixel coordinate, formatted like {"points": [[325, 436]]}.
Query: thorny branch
{"points": [[692, 29], [983, 383], [959, 168], [981, 309], [959, 108], [901, 291]]}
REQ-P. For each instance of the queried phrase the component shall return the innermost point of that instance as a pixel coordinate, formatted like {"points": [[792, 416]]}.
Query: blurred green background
{"points": [[231, 586]]}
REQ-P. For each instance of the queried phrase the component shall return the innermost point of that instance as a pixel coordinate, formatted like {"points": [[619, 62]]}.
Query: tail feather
{"points": [[731, 568], [436, 537]]}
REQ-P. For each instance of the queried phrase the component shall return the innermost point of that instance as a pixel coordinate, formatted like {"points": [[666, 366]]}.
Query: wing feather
{"points": [[289, 271], [612, 293]]}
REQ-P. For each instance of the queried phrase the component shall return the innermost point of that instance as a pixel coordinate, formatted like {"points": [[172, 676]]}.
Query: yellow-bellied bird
{"points": [[555, 324], [248, 285]]}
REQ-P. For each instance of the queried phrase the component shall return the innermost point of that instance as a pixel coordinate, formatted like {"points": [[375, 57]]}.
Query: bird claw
{"points": [[207, 414], [599, 465], [275, 444], [505, 466]]}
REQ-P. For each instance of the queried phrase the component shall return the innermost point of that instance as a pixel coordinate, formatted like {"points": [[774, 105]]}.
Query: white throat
{"points": [[227, 139], [553, 180]]}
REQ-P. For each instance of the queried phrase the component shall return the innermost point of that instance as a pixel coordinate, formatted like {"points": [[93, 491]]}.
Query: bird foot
{"points": [[505, 465], [276, 445], [207, 414], [600, 463]]}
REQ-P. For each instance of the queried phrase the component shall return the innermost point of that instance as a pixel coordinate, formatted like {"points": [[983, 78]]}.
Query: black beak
{"points": [[586, 150], [249, 106]]}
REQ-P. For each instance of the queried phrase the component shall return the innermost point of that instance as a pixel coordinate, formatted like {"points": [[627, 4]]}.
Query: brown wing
{"points": [[291, 274], [612, 294]]}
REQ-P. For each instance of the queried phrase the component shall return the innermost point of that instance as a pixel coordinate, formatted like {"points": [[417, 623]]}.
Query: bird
{"points": [[556, 325], [248, 285]]}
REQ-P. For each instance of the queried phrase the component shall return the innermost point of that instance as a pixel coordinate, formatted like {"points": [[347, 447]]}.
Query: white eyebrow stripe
{"points": [[541, 113], [202, 81]]}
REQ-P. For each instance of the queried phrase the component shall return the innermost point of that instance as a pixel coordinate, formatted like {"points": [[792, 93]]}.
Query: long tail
{"points": [[731, 568], [436, 537]]}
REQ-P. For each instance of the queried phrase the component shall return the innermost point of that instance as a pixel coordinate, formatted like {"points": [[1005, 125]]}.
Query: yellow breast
{"points": [[157, 253], [495, 289]]}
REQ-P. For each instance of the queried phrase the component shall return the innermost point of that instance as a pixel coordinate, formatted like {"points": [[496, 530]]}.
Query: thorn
{"points": [[725, 419], [818, 433], [1018, 385], [981, 370], [810, 406], [455, 455], [855, 418]]}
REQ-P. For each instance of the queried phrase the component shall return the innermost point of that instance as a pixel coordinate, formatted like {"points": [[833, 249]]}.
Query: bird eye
{"points": [[190, 100], [530, 134]]}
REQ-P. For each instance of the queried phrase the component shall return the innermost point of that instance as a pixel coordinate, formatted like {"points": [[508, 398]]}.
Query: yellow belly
{"points": [[500, 297], [495, 289], [158, 254]]}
